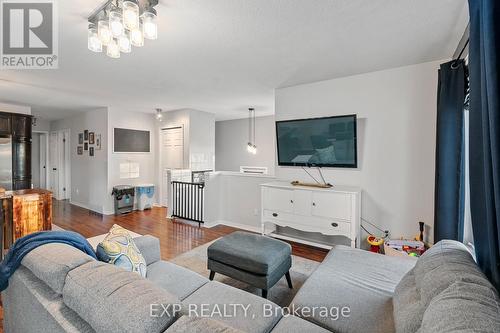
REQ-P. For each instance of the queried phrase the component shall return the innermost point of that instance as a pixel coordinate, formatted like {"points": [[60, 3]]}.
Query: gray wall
{"points": [[231, 138], [89, 175]]}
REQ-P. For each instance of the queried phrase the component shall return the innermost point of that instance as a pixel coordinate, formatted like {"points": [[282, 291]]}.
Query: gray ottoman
{"points": [[254, 259]]}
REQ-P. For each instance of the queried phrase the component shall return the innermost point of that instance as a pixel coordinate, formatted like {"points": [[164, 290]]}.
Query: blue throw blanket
{"points": [[30, 242]]}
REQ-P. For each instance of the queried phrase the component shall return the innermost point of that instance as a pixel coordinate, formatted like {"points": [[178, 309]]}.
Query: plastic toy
{"points": [[375, 243]]}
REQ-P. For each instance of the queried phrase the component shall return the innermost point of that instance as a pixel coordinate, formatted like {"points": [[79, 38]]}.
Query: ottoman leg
{"points": [[212, 274], [264, 293], [289, 280]]}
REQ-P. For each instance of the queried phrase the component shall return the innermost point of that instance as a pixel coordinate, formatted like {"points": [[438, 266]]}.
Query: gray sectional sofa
{"points": [[60, 289]]}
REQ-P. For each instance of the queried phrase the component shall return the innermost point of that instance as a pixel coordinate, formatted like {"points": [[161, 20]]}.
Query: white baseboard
{"points": [[251, 228]]}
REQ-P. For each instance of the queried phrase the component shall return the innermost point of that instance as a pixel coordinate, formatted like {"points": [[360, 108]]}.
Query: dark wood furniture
{"points": [[18, 127]]}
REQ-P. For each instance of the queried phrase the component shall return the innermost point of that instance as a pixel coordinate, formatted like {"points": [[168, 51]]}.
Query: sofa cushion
{"points": [[52, 262], [187, 324], [111, 299], [292, 324], [149, 246], [463, 307], [441, 266], [251, 252], [175, 279], [118, 248], [261, 314], [360, 280], [30, 305]]}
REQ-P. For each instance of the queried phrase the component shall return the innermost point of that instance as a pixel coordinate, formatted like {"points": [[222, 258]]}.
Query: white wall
{"points": [[396, 140], [42, 125], [147, 161], [15, 108], [231, 138], [89, 175], [201, 141]]}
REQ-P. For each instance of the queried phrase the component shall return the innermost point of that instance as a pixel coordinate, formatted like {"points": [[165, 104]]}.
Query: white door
{"points": [[43, 160], [64, 165], [53, 164], [172, 156]]}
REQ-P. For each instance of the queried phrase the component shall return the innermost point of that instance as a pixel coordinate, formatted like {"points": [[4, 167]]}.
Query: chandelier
{"points": [[117, 25]]}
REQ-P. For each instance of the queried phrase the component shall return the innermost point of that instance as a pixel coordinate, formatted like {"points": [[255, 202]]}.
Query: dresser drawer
{"points": [[277, 215]]}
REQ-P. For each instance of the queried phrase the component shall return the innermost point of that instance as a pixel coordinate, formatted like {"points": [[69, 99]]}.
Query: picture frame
{"points": [[86, 135], [79, 149], [91, 138], [98, 142], [91, 151], [80, 138], [86, 146]]}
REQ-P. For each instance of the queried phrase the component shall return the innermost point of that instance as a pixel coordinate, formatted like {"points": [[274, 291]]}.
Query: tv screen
{"points": [[322, 142], [131, 141]]}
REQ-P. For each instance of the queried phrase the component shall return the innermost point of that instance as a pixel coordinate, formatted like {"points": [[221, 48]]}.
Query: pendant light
{"points": [[124, 43], [137, 37], [113, 50], [251, 147], [159, 115]]}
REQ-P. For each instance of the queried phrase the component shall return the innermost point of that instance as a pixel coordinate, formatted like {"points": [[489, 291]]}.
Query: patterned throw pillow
{"points": [[119, 249]]}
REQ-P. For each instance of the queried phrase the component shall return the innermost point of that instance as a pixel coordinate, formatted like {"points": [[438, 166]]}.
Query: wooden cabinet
{"points": [[5, 124], [21, 126], [31, 212], [18, 128], [334, 211], [21, 160]]}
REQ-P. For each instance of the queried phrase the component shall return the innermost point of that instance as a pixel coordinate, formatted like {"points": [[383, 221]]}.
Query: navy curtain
{"points": [[484, 134], [449, 187]]}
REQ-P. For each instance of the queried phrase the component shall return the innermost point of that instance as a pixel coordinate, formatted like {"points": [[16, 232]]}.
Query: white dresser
{"points": [[333, 211]]}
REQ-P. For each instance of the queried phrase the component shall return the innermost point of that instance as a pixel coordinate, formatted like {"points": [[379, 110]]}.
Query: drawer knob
{"points": [[335, 225], [314, 204], [275, 214], [291, 201]]}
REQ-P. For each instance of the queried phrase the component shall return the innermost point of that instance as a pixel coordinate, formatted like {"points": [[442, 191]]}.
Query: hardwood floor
{"points": [[176, 237]]}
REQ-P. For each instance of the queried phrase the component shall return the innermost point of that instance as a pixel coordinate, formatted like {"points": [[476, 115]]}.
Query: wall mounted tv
{"points": [[321, 142], [131, 141]]}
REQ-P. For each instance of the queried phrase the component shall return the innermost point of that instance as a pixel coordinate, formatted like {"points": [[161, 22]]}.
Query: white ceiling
{"points": [[223, 56]]}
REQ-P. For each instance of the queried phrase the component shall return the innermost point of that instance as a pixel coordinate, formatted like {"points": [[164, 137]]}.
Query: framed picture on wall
{"points": [[79, 149], [86, 135], [80, 139], [91, 138], [98, 142], [86, 146], [91, 151]]}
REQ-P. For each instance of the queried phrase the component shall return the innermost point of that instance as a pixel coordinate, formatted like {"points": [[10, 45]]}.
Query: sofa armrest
{"points": [[149, 247]]}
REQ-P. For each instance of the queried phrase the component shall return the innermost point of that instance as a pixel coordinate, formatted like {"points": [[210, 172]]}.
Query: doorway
{"points": [[60, 164], [39, 159]]}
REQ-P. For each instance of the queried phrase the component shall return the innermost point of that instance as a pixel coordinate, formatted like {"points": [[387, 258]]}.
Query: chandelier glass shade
{"points": [[130, 14], [120, 24], [94, 43], [103, 32]]}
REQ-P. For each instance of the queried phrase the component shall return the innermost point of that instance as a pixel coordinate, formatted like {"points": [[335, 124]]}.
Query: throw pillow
{"points": [[118, 248]]}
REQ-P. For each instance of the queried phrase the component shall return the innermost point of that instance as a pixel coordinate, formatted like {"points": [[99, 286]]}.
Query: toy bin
{"points": [[144, 194]]}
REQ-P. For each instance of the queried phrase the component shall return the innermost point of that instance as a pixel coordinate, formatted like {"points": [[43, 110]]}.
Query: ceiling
{"points": [[223, 56]]}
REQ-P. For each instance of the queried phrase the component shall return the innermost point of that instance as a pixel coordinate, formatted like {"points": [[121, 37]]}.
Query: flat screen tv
{"points": [[321, 142], [131, 141]]}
